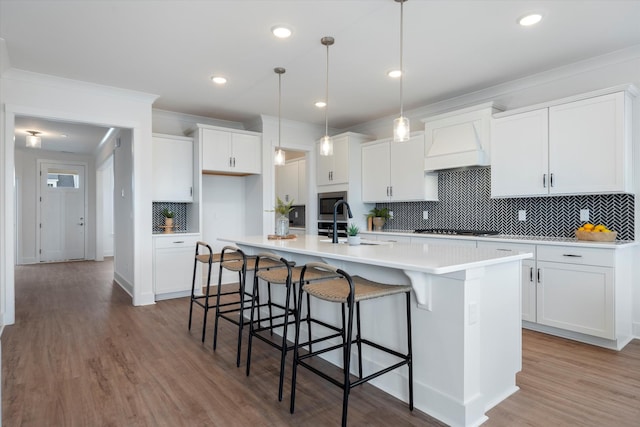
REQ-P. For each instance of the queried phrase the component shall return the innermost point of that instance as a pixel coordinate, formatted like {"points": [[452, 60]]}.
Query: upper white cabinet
{"points": [[230, 151], [172, 158], [291, 183], [578, 147], [334, 169], [395, 172]]}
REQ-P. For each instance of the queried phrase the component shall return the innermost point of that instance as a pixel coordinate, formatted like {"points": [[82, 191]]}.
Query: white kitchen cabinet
{"points": [[395, 172], [172, 164], [519, 157], [576, 290], [441, 241], [577, 147], [230, 151], [529, 275], [334, 169], [173, 256], [291, 182]]}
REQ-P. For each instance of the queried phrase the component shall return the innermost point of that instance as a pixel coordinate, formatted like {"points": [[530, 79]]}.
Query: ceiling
{"points": [[172, 48], [60, 136]]}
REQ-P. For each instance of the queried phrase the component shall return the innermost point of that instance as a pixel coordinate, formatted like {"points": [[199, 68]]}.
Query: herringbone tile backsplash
{"points": [[466, 203]]}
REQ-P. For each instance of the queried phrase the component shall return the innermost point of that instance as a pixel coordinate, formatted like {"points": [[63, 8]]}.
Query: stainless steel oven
{"points": [[325, 206]]}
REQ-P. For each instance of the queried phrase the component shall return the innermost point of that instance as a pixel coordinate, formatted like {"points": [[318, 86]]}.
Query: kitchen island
{"points": [[466, 328]]}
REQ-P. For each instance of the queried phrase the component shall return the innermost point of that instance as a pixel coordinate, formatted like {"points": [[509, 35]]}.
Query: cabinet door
{"points": [[172, 170], [340, 156], [577, 298], [246, 153], [407, 178], [216, 150], [519, 154], [586, 145], [375, 172], [173, 264], [529, 283], [324, 167], [302, 182]]}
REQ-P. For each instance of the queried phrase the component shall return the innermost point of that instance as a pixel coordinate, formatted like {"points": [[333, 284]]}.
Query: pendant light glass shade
{"points": [[33, 140], [326, 143], [279, 158], [401, 128]]}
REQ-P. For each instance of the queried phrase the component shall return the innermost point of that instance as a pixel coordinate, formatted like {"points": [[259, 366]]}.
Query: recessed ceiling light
{"points": [[529, 19], [320, 104], [64, 135], [218, 80], [394, 74], [281, 32]]}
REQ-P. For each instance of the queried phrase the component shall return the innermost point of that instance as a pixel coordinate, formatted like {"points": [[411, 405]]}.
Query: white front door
{"points": [[62, 212]]}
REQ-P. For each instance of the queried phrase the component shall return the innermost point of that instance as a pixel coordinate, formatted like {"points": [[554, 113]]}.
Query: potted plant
{"points": [[379, 217], [353, 236], [282, 210], [168, 218]]}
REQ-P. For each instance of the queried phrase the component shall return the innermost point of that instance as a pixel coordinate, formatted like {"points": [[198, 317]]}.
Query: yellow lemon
{"points": [[580, 228], [588, 226], [599, 227]]}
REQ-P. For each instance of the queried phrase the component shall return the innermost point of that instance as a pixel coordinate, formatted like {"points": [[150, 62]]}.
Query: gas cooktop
{"points": [[454, 232]]}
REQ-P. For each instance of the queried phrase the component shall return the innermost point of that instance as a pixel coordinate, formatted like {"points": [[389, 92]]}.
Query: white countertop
{"points": [[426, 258], [536, 240]]}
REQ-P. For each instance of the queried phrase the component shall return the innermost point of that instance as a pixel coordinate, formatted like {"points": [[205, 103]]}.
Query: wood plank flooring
{"points": [[81, 355]]}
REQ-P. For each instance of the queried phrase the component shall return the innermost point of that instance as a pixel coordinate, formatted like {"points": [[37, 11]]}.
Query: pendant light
{"points": [[280, 157], [33, 140], [401, 128], [326, 143]]}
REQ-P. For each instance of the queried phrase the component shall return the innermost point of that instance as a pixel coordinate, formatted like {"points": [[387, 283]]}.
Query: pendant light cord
{"points": [[401, 50], [326, 97], [279, 108]]}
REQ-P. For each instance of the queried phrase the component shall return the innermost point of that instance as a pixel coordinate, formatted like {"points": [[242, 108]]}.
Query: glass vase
{"points": [[282, 225]]}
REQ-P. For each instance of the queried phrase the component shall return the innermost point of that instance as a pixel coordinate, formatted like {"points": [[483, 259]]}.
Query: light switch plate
{"points": [[522, 215], [584, 215], [425, 214]]}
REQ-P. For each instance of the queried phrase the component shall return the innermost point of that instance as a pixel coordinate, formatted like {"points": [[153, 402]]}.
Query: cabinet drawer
{"points": [[508, 247], [574, 255], [175, 241]]}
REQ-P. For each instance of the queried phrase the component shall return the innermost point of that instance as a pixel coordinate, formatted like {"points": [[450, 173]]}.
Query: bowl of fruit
{"points": [[595, 233]]}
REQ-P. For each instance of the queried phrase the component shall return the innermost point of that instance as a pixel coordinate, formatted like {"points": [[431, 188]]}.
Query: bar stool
{"points": [[274, 270], [234, 259], [347, 290], [206, 300]]}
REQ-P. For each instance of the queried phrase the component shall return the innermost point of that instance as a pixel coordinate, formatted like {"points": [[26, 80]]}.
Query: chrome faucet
{"points": [[335, 218]]}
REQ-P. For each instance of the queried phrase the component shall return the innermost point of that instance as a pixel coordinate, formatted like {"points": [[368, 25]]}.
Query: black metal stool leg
{"points": [[347, 361], [410, 351], [358, 339], [251, 327], [241, 320]]}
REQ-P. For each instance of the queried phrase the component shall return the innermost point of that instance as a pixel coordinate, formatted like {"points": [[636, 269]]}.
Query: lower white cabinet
{"points": [[582, 293], [173, 257], [573, 293]]}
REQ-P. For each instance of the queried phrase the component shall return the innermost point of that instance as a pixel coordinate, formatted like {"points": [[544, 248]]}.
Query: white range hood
{"points": [[459, 139]]}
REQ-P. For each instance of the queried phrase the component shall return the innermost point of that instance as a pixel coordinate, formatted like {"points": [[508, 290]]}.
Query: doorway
{"points": [[62, 211]]}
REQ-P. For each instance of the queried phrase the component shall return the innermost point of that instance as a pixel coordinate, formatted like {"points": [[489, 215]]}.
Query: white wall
{"points": [[26, 171], [37, 95], [123, 206]]}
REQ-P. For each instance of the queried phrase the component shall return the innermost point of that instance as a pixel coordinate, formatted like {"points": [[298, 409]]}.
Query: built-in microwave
{"points": [[326, 201]]}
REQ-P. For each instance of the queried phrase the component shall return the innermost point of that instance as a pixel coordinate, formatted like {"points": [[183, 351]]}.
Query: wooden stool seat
{"points": [[334, 290]]}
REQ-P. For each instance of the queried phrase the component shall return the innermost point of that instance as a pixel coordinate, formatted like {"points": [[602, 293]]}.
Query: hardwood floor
{"points": [[81, 354]]}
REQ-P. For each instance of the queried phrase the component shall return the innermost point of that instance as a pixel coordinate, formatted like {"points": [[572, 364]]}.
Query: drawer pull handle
{"points": [[179, 241], [504, 250], [572, 255]]}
